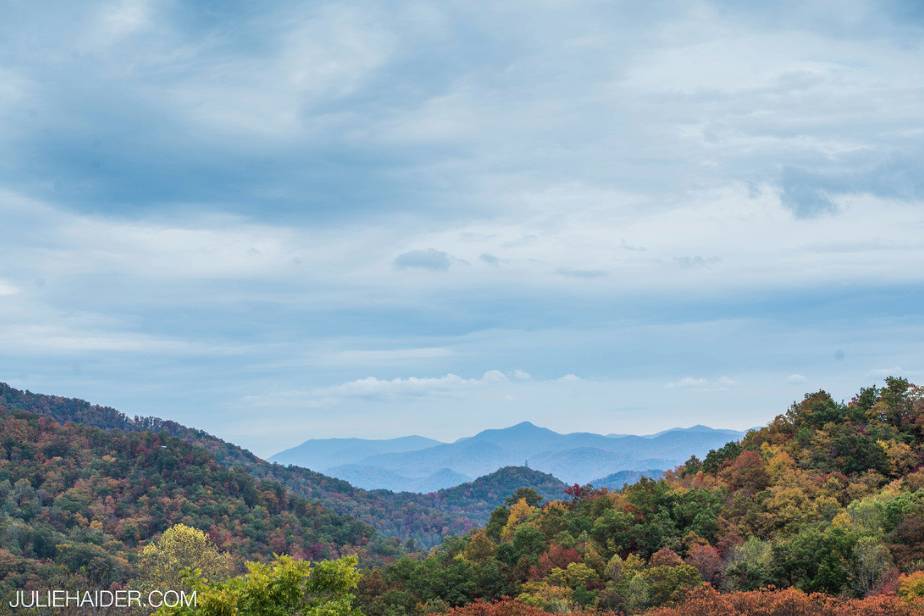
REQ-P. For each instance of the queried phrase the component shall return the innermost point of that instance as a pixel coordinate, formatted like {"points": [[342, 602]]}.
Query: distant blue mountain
{"points": [[323, 453], [374, 478], [417, 464], [616, 481]]}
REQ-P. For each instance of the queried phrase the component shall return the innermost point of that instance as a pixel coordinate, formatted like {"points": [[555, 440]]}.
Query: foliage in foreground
{"points": [[283, 587], [707, 601], [509, 607]]}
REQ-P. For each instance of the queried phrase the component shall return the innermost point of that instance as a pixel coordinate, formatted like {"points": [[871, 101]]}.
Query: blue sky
{"points": [[278, 222]]}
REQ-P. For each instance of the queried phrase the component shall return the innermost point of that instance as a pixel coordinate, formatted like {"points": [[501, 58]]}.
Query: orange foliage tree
{"points": [[706, 601]]}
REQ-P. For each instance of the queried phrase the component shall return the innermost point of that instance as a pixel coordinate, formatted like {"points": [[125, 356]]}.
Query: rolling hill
{"points": [[423, 519], [819, 513], [77, 502]]}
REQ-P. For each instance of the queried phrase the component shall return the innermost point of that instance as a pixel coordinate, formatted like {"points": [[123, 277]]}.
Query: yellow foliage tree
{"points": [[164, 563], [519, 512], [479, 548]]}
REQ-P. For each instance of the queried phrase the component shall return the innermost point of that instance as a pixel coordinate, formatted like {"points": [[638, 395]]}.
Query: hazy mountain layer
{"points": [[578, 457]]}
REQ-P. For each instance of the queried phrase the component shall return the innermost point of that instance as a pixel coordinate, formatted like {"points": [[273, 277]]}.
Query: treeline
{"points": [[829, 498]]}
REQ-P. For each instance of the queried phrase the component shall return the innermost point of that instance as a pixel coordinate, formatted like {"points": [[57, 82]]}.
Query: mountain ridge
{"points": [[574, 457]]}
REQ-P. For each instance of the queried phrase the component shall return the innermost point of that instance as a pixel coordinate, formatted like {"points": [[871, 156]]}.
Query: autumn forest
{"points": [[821, 512]]}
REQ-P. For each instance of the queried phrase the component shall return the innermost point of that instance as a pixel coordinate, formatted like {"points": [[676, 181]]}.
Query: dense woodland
{"points": [[83, 487], [821, 513], [828, 498], [76, 503], [417, 520]]}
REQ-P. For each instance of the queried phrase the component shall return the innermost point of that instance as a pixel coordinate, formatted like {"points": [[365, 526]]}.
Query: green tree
{"points": [[283, 587], [871, 562], [749, 567]]}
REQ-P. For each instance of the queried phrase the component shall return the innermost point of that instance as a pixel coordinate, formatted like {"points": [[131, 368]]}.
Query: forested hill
{"points": [[424, 519], [76, 502], [828, 498]]}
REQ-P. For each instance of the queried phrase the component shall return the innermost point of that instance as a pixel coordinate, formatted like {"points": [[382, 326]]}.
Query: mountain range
{"points": [[418, 464]]}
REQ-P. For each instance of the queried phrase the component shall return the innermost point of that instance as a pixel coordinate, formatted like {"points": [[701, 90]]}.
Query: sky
{"points": [[278, 222]]}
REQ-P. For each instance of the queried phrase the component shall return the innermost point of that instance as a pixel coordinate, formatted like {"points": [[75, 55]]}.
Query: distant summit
{"points": [[418, 464]]}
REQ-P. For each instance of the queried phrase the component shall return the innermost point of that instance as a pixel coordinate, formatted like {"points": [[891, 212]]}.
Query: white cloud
{"points": [[796, 379], [617, 160], [53, 340], [721, 383], [7, 289], [882, 373], [377, 389]]}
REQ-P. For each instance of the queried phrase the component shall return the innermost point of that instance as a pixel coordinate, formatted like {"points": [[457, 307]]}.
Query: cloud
{"points": [[893, 371], [7, 288], [372, 387], [696, 261], [429, 259], [263, 195], [583, 273], [378, 389], [807, 195], [54, 340], [796, 379], [721, 383]]}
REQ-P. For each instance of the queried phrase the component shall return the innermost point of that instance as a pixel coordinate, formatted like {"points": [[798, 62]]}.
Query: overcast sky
{"points": [[344, 219]]}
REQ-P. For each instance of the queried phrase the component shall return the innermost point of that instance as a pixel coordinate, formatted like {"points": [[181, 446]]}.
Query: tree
{"points": [[706, 601], [814, 560], [164, 563], [749, 568], [815, 410], [519, 512], [747, 472], [283, 587], [479, 548], [707, 561], [532, 498], [895, 405], [871, 562], [911, 586]]}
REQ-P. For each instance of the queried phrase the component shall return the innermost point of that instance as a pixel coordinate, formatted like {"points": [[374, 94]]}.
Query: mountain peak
{"points": [[516, 432]]}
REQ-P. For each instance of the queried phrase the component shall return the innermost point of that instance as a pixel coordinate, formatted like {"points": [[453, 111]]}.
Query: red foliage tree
{"points": [[555, 556], [707, 561]]}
